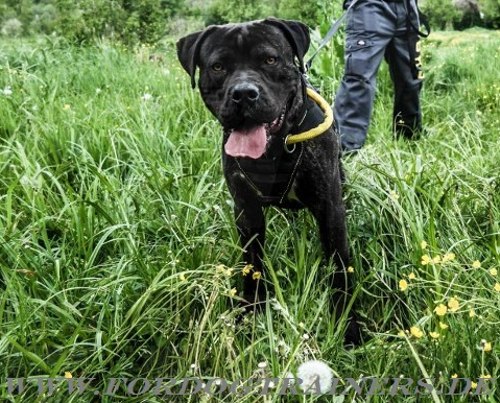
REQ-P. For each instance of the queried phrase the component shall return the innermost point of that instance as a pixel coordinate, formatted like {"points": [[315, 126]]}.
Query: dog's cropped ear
{"points": [[297, 35], [188, 51]]}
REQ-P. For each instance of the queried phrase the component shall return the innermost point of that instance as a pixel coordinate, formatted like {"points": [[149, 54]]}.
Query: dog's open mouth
{"points": [[252, 142]]}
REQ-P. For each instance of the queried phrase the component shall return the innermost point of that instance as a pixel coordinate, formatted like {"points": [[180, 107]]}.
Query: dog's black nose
{"points": [[245, 92]]}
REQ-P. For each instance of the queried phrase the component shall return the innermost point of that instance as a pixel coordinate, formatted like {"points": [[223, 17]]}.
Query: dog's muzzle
{"points": [[245, 93]]}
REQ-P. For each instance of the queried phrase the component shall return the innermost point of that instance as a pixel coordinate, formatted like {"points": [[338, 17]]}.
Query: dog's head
{"points": [[250, 78]]}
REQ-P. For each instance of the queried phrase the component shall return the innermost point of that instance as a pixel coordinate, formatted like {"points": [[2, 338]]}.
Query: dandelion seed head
{"points": [[315, 372]]}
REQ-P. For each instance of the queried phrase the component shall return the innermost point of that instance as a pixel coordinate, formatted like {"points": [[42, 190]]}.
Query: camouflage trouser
{"points": [[377, 29]]}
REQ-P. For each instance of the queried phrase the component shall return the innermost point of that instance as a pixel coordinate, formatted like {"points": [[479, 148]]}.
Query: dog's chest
{"points": [[271, 177]]}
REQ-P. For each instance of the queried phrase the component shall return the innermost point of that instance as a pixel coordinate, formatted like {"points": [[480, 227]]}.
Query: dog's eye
{"points": [[271, 60], [217, 67]]}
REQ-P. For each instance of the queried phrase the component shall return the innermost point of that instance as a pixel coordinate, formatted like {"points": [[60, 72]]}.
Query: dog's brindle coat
{"points": [[251, 76]]}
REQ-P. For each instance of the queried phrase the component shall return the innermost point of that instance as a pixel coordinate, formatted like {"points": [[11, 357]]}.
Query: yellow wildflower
{"points": [[476, 264], [472, 313], [350, 269], [453, 304], [493, 271], [473, 385], [441, 310], [393, 195], [486, 346], [233, 292], [228, 272], [423, 244], [434, 335], [426, 259], [220, 268], [412, 276], [485, 376], [454, 376], [403, 285], [443, 325], [257, 275], [68, 375], [416, 332], [67, 107], [497, 287], [448, 257], [247, 269], [436, 259], [182, 277]]}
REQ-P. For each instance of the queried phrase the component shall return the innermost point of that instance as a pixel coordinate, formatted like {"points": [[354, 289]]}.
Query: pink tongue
{"points": [[247, 143]]}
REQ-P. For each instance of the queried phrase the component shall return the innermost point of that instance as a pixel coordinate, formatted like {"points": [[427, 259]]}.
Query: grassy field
{"points": [[119, 257]]}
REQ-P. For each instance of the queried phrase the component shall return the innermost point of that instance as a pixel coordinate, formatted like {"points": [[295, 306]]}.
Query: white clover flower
{"points": [[7, 91], [315, 373]]}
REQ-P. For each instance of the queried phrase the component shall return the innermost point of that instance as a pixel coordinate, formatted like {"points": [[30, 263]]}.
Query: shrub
{"points": [[12, 27], [127, 21], [441, 13], [224, 11], [490, 10]]}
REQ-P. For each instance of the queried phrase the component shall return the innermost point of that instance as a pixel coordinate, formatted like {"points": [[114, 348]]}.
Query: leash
{"points": [[318, 130], [329, 35]]}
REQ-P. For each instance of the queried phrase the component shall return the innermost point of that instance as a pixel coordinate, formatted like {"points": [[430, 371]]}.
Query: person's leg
{"points": [[370, 27], [403, 59]]}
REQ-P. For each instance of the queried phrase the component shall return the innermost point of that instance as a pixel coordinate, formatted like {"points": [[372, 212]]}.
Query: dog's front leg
{"points": [[333, 233], [250, 222], [326, 204]]}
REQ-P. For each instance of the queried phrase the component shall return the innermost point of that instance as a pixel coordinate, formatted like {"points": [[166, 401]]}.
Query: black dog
{"points": [[251, 79]]}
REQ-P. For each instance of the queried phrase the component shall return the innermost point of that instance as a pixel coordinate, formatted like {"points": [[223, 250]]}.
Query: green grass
{"points": [[115, 221]]}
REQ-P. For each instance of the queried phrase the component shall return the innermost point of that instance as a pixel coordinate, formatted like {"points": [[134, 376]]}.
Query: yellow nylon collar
{"points": [[318, 130]]}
